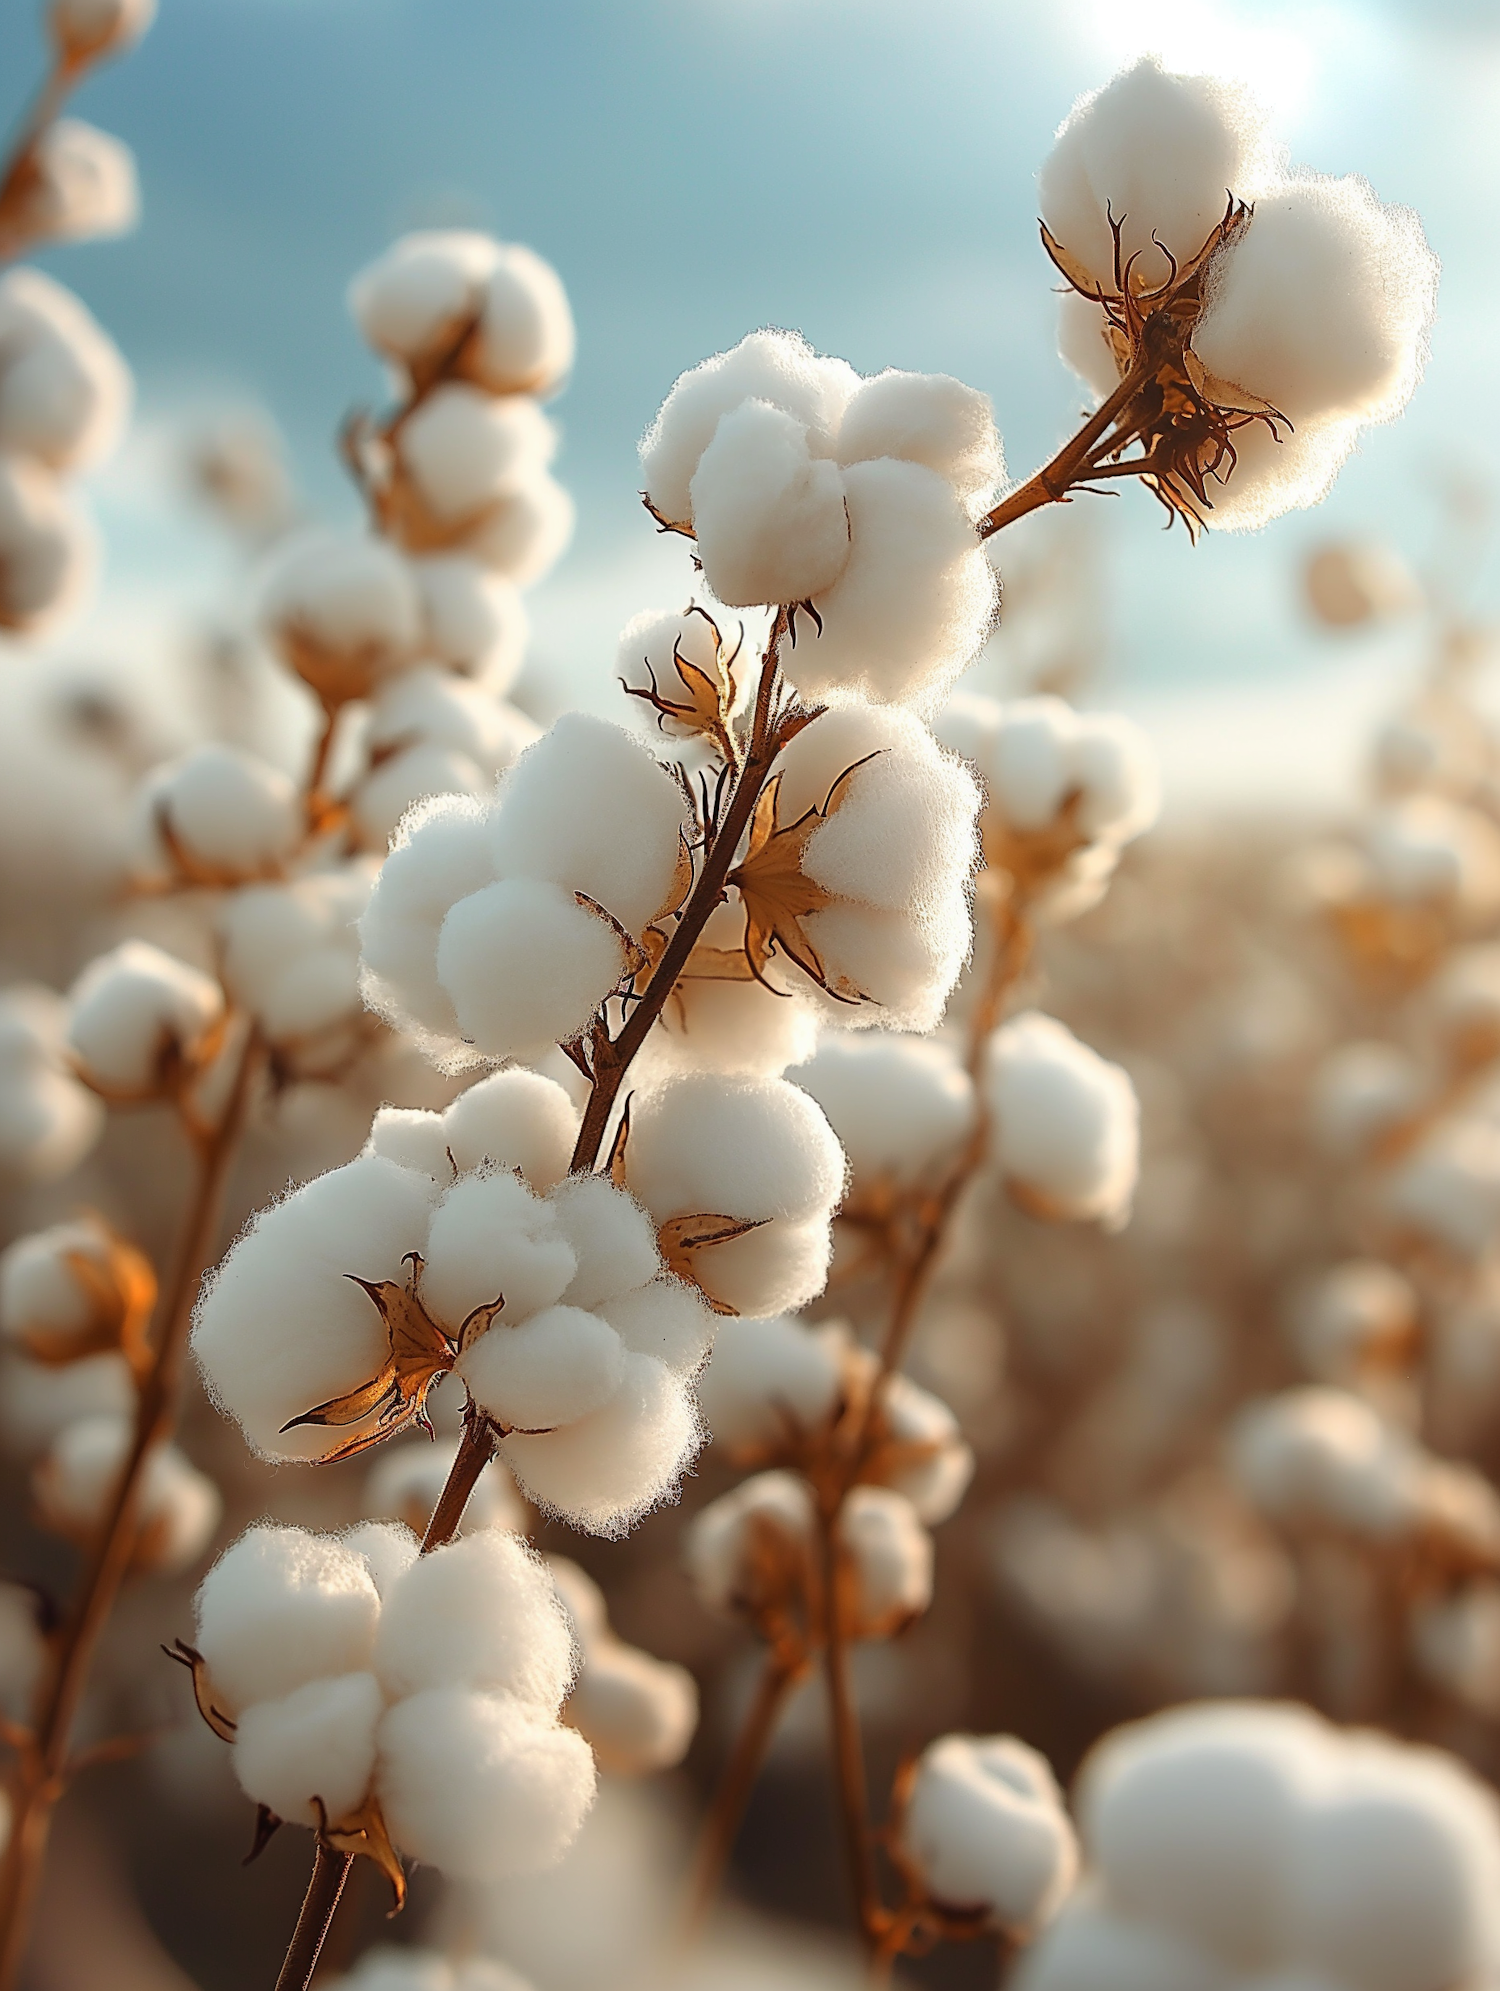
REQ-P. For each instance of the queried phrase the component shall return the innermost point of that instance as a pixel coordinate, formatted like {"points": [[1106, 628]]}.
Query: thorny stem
{"points": [[324, 1891], [44, 1763], [1076, 462]]}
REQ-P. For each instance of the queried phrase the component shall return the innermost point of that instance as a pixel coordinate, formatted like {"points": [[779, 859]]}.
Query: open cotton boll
{"points": [[1313, 1455], [490, 1236], [775, 367], [48, 552], [84, 30], [523, 534], [291, 957], [526, 966], [1037, 757], [759, 1152], [1449, 1189], [729, 1026], [179, 1507], [524, 341], [219, 815], [1321, 306], [1357, 1312], [1276, 473], [479, 1785], [927, 418], [741, 1549], [64, 387], [606, 1470], [514, 1119], [341, 611], [405, 1483], [474, 621], [891, 1555], [461, 449], [654, 644], [1066, 1133], [902, 1107], [612, 1239], [283, 1607], [1361, 1091], [769, 519], [1462, 1003], [440, 855], [316, 1743], [48, 1121], [413, 301], [914, 601], [83, 184], [433, 734], [766, 1381], [138, 1017], [1162, 153], [985, 1826], [921, 1452], [482, 1612], [70, 1289], [23, 1650], [548, 1371], [637, 1714], [282, 1327], [38, 1401]]}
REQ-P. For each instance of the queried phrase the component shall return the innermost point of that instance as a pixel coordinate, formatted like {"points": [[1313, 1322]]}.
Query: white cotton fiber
{"points": [[228, 814], [891, 1555], [902, 1107], [770, 520], [48, 1121], [602, 1473], [280, 1608], [479, 1786], [491, 1237], [481, 1612], [49, 552], [137, 1013], [282, 1327], [1162, 153], [46, 1295], [461, 449], [1066, 1131], [412, 1138], [667, 1320], [513, 1119], [767, 1382], [636, 1713], [926, 418], [317, 1742], [1084, 344], [440, 855], [432, 733], [524, 341], [612, 1238], [411, 303], [64, 388], [291, 958], [926, 1460], [914, 601], [1037, 755], [86, 29], [724, 1544], [550, 1370], [387, 1548], [776, 367], [523, 534], [341, 611], [525, 966], [985, 1826], [473, 620], [83, 186]]}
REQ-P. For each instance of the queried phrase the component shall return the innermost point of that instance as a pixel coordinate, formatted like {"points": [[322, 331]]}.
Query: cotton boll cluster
{"points": [[215, 816], [356, 1674], [75, 1290], [1065, 792], [431, 732], [48, 1121], [1065, 1132], [496, 931], [902, 1108], [141, 1022], [636, 1713], [1253, 1842], [291, 960], [426, 1970], [984, 1828], [406, 1480], [800, 482], [75, 1481]]}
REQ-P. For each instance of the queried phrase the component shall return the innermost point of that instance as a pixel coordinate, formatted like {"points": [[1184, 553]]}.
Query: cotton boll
{"points": [[524, 341], [413, 301], [779, 368], [636, 1713], [1352, 583], [1362, 1091], [1162, 153], [891, 1556], [746, 1549], [902, 1107], [412, 1139], [83, 184], [921, 1453], [343, 613], [1463, 1004], [38, 1402], [220, 815], [85, 30], [479, 1786], [914, 601], [514, 1120], [138, 1018], [1114, 765], [473, 621], [282, 1327], [461, 449], [667, 1320], [769, 519], [523, 534], [1320, 1456], [551, 1370], [491, 1237], [48, 1121], [1449, 1189], [729, 1026], [768, 1381], [612, 1238], [446, 737], [1038, 757], [291, 958], [1357, 1312], [525, 966], [1066, 1122], [1090, 1948], [23, 1650], [48, 552], [986, 1827], [179, 1507], [71, 1289], [604, 1471], [440, 855], [317, 1742], [283, 1607], [1455, 1644], [406, 1482], [481, 1612], [64, 387]]}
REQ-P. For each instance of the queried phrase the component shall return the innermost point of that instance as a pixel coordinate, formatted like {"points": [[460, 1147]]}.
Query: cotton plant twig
{"points": [[44, 1762]]}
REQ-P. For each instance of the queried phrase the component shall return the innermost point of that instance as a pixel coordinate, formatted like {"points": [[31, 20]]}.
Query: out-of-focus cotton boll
{"points": [[767, 1382], [926, 418], [1161, 153], [1462, 1004], [473, 621], [1448, 1190], [75, 1482], [282, 1327], [406, 1481], [524, 342], [425, 1970], [917, 1449], [37, 1402], [281, 1608], [138, 1019], [1066, 1133], [48, 1121], [890, 1554], [479, 1785], [749, 1553], [1358, 1313], [902, 1107], [1428, 850], [23, 1650], [524, 534], [461, 449], [342, 612], [1363, 1091], [431, 733], [48, 552], [654, 647], [482, 1612], [1455, 1643], [635, 1712], [985, 1827], [85, 30], [217, 815], [912, 604], [413, 302], [73, 1290], [1089, 1948], [317, 1743], [64, 388], [83, 185], [757, 1152], [291, 957], [1350, 583], [1324, 1457], [770, 520]]}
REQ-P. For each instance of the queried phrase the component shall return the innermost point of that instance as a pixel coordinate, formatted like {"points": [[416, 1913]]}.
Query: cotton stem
{"points": [[848, 1748], [1076, 462], [45, 1765], [324, 1891], [61, 81]]}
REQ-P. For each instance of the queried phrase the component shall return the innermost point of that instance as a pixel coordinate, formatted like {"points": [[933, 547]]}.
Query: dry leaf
{"points": [[397, 1395]]}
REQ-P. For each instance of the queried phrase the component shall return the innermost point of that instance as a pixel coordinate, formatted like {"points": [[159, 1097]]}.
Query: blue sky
{"points": [[861, 169]]}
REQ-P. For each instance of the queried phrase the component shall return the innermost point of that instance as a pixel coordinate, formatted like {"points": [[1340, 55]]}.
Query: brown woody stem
{"points": [[848, 1749], [61, 80], [44, 1766], [324, 1890], [1074, 463], [476, 1449]]}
